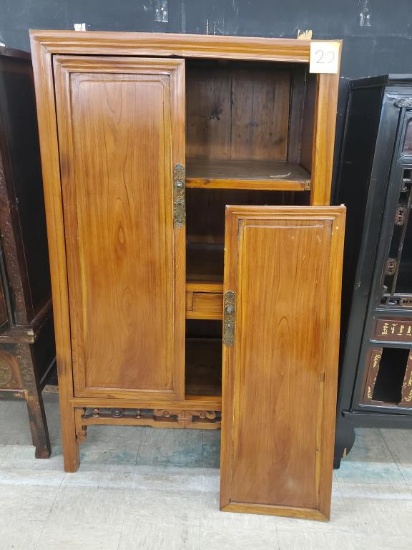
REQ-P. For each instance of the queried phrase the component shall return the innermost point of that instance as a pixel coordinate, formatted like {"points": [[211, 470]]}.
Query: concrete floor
{"points": [[146, 489]]}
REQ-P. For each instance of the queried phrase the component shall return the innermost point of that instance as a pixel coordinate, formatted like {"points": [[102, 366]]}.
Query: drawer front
{"points": [[204, 305]]}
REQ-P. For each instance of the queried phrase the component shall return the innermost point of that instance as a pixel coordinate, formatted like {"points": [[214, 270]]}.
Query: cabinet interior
{"points": [[249, 136], [249, 124], [205, 228]]}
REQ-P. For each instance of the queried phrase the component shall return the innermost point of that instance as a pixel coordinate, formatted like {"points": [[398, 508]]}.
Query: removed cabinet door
{"points": [[280, 358]]}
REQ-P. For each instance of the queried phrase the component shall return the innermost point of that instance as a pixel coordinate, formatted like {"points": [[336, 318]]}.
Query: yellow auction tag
{"points": [[324, 57]]}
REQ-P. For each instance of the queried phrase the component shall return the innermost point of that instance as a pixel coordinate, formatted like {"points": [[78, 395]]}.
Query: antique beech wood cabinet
{"points": [[187, 182]]}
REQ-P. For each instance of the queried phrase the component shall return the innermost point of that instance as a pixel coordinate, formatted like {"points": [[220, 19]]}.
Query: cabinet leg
{"points": [[70, 442], [344, 440], [34, 401], [38, 423]]}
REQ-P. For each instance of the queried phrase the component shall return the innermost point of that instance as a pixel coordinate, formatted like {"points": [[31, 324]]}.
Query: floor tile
{"points": [[29, 477], [370, 446], [380, 509], [127, 437], [91, 505], [145, 535], [168, 479], [375, 473], [3, 453], [315, 540], [406, 471], [211, 449], [168, 505], [211, 479], [181, 448], [399, 443], [26, 502], [102, 454], [375, 492], [145, 488], [19, 534], [225, 535], [16, 429], [381, 542], [22, 456], [79, 536], [110, 479], [106, 467]]}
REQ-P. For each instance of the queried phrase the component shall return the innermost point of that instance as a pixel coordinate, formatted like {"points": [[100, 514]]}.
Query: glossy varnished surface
{"points": [[117, 123], [280, 375], [45, 45]]}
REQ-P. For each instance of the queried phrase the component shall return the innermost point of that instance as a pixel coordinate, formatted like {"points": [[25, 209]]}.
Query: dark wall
{"points": [[383, 47]]}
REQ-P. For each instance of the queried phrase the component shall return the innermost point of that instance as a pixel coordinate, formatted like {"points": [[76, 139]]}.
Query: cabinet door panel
{"points": [[280, 373], [121, 131]]}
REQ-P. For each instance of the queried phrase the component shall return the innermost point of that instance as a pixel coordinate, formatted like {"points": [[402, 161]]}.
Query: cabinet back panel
{"points": [[237, 111], [125, 274]]}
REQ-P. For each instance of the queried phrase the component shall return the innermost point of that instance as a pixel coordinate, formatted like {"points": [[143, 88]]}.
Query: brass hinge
{"points": [[229, 313], [179, 203]]}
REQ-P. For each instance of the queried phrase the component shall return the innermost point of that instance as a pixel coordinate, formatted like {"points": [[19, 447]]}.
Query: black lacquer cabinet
{"points": [[375, 183], [27, 350]]}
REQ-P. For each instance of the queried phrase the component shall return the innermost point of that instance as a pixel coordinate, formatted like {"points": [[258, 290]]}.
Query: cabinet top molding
{"points": [[181, 45]]}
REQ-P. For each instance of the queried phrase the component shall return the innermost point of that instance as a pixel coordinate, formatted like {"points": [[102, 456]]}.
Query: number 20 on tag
{"points": [[324, 57]]}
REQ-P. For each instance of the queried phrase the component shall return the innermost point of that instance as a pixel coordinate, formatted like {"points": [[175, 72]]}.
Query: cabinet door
{"points": [[121, 134], [280, 358]]}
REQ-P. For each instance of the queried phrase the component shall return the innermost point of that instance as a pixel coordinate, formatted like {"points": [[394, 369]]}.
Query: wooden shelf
{"points": [[246, 174], [203, 367]]}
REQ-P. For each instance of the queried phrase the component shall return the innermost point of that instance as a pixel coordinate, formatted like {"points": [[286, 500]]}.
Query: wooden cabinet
{"points": [[147, 139], [375, 180], [26, 326]]}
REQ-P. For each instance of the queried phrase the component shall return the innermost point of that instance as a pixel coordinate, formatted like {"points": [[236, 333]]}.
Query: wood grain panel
{"points": [[279, 377], [121, 132], [169, 44], [323, 143], [237, 112]]}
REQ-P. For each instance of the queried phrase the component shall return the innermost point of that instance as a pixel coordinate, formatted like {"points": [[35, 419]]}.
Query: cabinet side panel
{"points": [[22, 214], [116, 138], [277, 407]]}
